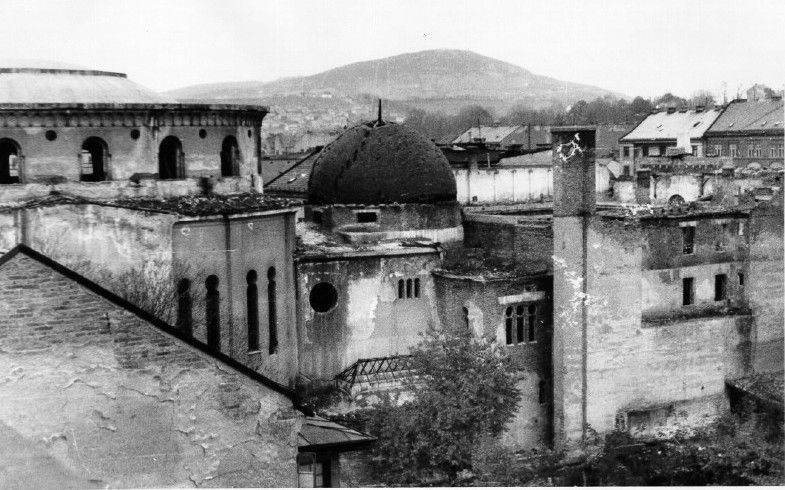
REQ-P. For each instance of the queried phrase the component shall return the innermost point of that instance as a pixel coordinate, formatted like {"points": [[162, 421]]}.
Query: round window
{"points": [[203, 133], [323, 297], [134, 134], [51, 135]]}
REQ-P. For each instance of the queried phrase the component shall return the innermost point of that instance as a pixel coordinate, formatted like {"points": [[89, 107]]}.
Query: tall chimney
{"points": [[574, 203], [643, 186]]}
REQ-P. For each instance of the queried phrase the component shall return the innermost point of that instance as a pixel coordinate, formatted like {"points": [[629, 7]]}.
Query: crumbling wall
{"points": [[116, 402]]}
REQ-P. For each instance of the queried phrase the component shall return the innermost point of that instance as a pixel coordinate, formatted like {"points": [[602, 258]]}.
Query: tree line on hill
{"points": [[443, 128]]}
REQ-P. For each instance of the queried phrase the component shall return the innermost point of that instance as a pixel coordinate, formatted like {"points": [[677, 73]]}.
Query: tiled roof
{"points": [[294, 180], [744, 116], [664, 126], [491, 134]]}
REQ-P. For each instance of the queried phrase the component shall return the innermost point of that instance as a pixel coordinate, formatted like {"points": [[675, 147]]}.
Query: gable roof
{"points": [[750, 116], [665, 126], [151, 319], [491, 134], [294, 180]]}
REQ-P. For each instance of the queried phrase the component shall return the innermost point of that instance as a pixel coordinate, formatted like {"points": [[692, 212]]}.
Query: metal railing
{"points": [[376, 369]]}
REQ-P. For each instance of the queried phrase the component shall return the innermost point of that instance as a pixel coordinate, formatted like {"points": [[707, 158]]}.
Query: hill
{"points": [[447, 79]]}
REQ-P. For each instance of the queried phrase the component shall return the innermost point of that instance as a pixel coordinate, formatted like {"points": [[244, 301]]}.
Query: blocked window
{"points": [[688, 239], [720, 287], [212, 312], [688, 291], [722, 240], [520, 324]]}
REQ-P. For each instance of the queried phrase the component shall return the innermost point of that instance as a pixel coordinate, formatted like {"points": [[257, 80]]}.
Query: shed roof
{"points": [[318, 433], [491, 134], [665, 126]]}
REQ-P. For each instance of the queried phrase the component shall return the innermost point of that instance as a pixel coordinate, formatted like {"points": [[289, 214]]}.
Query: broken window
{"points": [[688, 239], [520, 323], [720, 287], [252, 305], [688, 291]]}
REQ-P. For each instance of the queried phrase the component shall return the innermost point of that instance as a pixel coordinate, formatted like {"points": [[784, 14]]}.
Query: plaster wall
{"points": [[229, 248], [110, 400], [368, 320]]}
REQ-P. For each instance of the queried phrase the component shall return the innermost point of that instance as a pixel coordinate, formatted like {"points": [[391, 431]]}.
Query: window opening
{"points": [[273, 313], [170, 159], [230, 157], [9, 161], [367, 217], [252, 306], [212, 312], [688, 239], [720, 287], [323, 297], [688, 291]]}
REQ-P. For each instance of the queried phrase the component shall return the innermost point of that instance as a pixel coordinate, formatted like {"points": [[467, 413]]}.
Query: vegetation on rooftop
{"points": [[200, 205]]}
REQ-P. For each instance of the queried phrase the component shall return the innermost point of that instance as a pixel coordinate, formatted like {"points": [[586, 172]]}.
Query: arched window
{"points": [[273, 318], [184, 306], [171, 159], [93, 160], [519, 323], [408, 288], [416, 288], [10, 154], [230, 157], [508, 332], [401, 289], [212, 312], [252, 305], [532, 322]]}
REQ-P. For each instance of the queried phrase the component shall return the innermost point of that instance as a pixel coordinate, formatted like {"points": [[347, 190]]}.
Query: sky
{"points": [[633, 47]]}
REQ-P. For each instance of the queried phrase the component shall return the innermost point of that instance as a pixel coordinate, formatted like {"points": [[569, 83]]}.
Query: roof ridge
{"points": [[153, 320]]}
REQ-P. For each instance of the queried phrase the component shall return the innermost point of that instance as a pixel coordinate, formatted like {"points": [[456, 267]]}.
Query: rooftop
{"points": [[747, 116], [490, 134], [670, 125]]}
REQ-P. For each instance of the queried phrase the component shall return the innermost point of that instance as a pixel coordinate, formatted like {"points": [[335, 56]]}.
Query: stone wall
{"points": [[112, 400]]}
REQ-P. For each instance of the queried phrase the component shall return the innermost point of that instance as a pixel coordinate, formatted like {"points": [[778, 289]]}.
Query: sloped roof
{"points": [[748, 116], [319, 433], [491, 134], [538, 159], [56, 85], [664, 126], [294, 180]]}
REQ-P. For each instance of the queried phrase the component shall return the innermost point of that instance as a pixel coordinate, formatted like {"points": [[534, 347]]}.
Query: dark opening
{"points": [[135, 134], [741, 279], [676, 200], [519, 323], [323, 297], [273, 318], [203, 133], [401, 289], [465, 311], [184, 307], [720, 287], [541, 396], [416, 288], [508, 326], [532, 321], [367, 217], [317, 217], [9, 161], [230, 157], [170, 159], [688, 291], [408, 288], [51, 135], [688, 239], [213, 312], [93, 160], [252, 305]]}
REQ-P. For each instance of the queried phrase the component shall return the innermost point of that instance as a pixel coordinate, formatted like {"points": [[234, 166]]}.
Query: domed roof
{"points": [[379, 163], [38, 82]]}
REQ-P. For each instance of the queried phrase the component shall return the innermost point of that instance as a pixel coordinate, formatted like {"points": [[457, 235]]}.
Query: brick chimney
{"points": [[573, 170], [643, 186]]}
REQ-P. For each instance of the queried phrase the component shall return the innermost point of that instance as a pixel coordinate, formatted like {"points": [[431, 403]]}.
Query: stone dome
{"points": [[381, 163], [37, 82]]}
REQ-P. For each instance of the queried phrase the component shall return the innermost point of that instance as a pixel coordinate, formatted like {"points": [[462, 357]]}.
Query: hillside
{"points": [[440, 78]]}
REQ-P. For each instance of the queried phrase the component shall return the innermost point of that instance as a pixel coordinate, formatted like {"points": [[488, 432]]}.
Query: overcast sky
{"points": [[632, 47]]}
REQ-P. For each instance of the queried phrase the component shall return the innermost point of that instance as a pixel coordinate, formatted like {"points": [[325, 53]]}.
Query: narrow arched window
{"points": [[416, 288], [184, 307], [508, 326], [401, 289], [273, 314], [212, 312], [532, 321], [519, 321], [408, 288], [252, 305]]}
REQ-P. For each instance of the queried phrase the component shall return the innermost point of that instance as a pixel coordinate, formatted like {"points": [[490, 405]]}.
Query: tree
{"points": [[463, 391]]}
